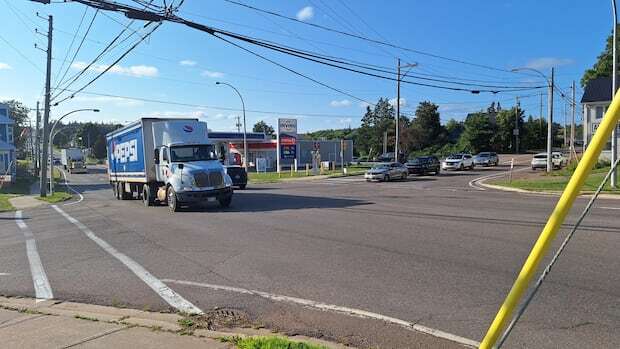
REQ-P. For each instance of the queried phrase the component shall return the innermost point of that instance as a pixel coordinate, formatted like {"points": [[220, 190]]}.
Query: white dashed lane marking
{"points": [[166, 293], [42, 287]]}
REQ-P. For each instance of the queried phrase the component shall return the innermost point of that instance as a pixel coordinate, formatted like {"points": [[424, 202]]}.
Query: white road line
{"points": [[42, 288], [166, 293], [73, 190], [5, 274], [333, 308], [610, 208], [474, 182]]}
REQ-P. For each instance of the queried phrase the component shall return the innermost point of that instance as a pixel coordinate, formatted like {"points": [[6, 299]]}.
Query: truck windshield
{"points": [[186, 153]]}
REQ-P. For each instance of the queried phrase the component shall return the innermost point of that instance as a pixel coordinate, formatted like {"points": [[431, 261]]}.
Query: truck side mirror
{"points": [[156, 156]]}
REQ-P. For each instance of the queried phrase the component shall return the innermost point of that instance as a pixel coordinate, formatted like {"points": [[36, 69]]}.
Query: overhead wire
{"points": [[77, 30]]}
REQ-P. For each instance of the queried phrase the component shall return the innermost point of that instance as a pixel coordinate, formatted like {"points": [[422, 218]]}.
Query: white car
{"points": [[558, 160], [458, 162]]}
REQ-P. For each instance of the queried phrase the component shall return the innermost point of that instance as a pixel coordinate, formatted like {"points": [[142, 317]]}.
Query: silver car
{"points": [[386, 172]]}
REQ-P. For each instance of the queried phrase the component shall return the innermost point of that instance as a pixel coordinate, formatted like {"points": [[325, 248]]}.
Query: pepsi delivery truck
{"points": [[168, 161]]}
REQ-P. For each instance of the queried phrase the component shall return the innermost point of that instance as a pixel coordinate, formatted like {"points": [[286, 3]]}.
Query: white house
{"points": [[595, 101], [7, 147]]}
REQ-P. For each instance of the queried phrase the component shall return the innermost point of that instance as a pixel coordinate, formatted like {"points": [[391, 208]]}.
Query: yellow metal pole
{"points": [[589, 159]]}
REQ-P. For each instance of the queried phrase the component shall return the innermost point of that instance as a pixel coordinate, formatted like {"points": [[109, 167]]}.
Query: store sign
{"points": [[288, 151], [287, 138], [288, 126]]}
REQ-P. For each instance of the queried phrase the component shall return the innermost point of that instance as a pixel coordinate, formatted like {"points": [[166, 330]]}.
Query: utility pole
{"points": [[37, 142], [398, 104], [550, 121], [46, 113], [397, 112], [516, 130], [614, 70], [572, 124], [238, 124], [565, 124], [384, 142]]}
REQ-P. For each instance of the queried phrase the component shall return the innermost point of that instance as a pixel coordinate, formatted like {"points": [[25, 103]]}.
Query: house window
{"points": [[10, 134], [3, 112], [600, 111], [2, 132]]}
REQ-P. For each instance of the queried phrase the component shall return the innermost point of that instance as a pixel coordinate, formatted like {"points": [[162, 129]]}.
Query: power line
{"points": [[193, 105], [21, 54], [78, 49], [366, 38], [77, 30], [110, 66]]}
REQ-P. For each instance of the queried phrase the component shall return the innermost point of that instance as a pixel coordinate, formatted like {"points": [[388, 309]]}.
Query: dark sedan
{"points": [[424, 165], [238, 175]]}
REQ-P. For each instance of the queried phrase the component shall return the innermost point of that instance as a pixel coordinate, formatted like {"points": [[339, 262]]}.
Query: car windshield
{"points": [[455, 157], [484, 155], [380, 167], [540, 156], [186, 153]]}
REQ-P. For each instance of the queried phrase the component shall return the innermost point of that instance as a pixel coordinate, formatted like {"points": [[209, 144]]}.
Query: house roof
{"points": [[598, 90]]}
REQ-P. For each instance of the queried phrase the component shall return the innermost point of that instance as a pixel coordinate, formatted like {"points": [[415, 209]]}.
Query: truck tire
{"points": [[242, 186], [173, 204], [224, 203], [148, 198]]}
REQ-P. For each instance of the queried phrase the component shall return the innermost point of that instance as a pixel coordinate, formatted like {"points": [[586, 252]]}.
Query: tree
{"points": [[603, 65], [99, 148], [19, 113], [426, 129], [263, 127], [477, 133], [375, 123], [454, 129]]}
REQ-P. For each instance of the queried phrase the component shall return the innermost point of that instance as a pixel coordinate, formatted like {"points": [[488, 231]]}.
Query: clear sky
{"points": [[181, 65]]}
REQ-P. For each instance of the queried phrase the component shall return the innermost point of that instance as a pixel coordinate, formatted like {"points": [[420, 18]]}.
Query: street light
{"points": [[549, 111], [245, 139], [51, 142]]}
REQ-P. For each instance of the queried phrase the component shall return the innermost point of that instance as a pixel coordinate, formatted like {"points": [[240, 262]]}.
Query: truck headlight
{"points": [[227, 179]]}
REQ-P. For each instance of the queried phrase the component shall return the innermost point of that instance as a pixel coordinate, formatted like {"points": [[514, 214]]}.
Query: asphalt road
{"points": [[432, 250]]}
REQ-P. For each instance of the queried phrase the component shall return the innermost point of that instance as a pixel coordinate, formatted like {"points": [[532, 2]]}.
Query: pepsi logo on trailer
{"points": [[188, 128]]}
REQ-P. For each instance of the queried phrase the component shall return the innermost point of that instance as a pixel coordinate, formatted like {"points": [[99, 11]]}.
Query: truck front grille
{"points": [[209, 179]]}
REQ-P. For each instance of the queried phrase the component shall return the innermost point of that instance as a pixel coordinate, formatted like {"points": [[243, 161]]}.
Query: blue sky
{"points": [[180, 65]]}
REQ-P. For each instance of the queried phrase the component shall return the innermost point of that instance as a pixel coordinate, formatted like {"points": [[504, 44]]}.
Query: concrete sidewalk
{"points": [[26, 323]]}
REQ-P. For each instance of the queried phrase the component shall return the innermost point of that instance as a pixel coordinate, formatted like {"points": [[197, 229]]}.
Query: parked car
{"points": [[386, 157], [386, 172], [424, 165], [486, 158], [458, 162], [558, 160], [238, 175]]}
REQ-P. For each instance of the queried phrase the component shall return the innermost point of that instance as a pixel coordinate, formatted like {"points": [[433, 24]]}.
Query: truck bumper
{"points": [[190, 197]]}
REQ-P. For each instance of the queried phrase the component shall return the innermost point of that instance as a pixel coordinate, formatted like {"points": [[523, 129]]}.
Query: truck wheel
{"points": [[242, 186], [173, 204], [147, 196], [224, 203]]}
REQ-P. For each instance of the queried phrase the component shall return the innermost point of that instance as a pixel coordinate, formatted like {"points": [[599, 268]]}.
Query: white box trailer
{"points": [[72, 159]]}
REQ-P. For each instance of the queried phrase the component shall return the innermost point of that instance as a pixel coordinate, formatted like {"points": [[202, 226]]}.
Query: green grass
{"points": [[269, 343], [20, 187], [58, 196], [5, 205], [557, 182], [271, 177]]}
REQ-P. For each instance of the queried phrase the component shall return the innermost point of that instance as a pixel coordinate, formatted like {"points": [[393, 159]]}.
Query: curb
{"points": [[584, 194], [155, 321]]}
